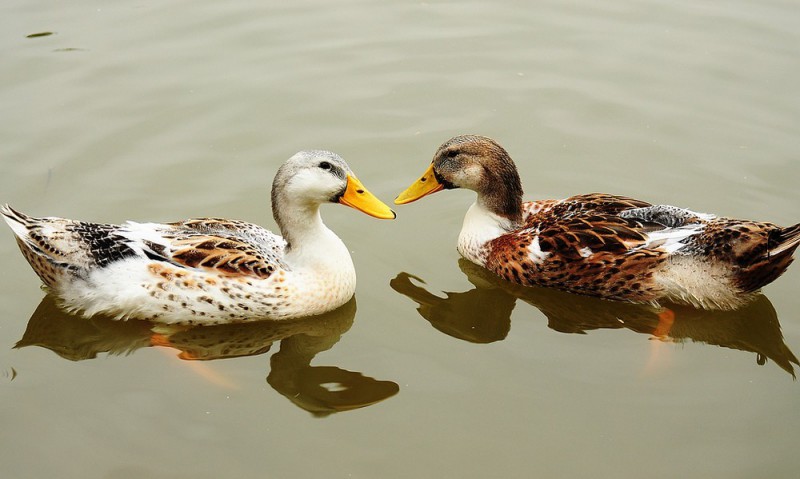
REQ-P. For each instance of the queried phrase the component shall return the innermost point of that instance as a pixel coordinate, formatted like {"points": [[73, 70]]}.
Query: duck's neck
{"points": [[503, 204], [500, 192], [481, 225], [497, 210], [310, 244]]}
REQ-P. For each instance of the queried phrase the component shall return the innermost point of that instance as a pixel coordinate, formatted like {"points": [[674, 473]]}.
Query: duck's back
{"points": [[624, 249], [582, 245], [195, 271], [58, 248]]}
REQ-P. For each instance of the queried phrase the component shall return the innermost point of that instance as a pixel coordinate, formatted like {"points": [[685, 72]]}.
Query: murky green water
{"points": [[167, 110]]}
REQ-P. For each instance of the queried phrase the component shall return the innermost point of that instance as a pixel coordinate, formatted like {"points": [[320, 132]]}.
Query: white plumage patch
{"points": [[672, 239], [138, 233], [535, 252], [18, 228], [480, 226]]}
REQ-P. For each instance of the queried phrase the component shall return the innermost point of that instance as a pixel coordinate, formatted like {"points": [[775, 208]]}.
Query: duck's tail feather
{"points": [[41, 241], [18, 222], [781, 245], [786, 240]]}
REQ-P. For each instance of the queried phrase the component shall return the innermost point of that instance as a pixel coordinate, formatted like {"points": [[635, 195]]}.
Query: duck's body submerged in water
{"points": [[208, 270], [603, 245]]}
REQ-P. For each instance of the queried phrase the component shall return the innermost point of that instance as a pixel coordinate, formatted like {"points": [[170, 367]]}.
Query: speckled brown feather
{"points": [[225, 256], [604, 245], [208, 270], [66, 248], [758, 252], [620, 268], [226, 247], [563, 230]]}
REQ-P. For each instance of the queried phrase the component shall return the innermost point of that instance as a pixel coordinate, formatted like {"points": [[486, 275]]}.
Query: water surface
{"points": [[167, 110]]}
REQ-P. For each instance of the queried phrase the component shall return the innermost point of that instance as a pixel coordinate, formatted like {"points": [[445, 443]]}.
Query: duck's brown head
{"points": [[476, 163]]}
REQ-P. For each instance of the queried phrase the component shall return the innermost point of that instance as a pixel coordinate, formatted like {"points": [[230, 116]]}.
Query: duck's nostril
{"points": [[360, 192], [423, 179]]}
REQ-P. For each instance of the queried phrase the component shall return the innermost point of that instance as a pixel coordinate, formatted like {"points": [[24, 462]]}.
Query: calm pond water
{"points": [[172, 109]]}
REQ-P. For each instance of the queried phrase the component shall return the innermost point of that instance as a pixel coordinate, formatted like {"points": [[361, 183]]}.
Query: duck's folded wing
{"points": [[599, 255], [224, 247], [581, 237]]}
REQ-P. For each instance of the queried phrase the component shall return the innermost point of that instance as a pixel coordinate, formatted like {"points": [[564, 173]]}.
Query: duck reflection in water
{"points": [[483, 315], [320, 390]]}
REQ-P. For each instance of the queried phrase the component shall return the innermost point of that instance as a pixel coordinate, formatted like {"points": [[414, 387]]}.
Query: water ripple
{"points": [[9, 374]]}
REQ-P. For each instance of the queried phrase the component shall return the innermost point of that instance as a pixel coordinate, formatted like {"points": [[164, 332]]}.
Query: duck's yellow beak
{"points": [[424, 186], [356, 196]]}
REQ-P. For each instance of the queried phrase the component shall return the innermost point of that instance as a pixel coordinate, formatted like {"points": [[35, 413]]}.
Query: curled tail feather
{"points": [[785, 240], [18, 222], [781, 245], [45, 257]]}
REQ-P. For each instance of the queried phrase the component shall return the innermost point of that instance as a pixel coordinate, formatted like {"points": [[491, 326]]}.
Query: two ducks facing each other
{"points": [[213, 270]]}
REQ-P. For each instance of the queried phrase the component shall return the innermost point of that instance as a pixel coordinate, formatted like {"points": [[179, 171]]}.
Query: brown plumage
{"points": [[223, 246], [603, 245]]}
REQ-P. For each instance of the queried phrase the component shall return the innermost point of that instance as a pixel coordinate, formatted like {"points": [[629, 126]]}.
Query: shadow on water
{"points": [[320, 390], [483, 315]]}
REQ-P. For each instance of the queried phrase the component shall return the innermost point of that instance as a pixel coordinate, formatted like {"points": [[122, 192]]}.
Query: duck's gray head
{"points": [[313, 177]]}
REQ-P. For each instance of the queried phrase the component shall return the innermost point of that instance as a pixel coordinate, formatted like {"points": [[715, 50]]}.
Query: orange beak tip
{"points": [[427, 184], [356, 196]]}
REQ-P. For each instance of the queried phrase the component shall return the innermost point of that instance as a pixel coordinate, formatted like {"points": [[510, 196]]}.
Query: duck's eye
{"points": [[452, 153], [325, 165]]}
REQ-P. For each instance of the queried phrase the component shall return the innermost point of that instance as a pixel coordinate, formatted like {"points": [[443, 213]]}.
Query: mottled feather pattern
{"points": [[229, 247], [56, 247], [594, 203], [758, 252], [226, 246], [198, 271], [604, 245], [607, 246], [585, 249], [103, 242], [208, 270], [665, 215]]}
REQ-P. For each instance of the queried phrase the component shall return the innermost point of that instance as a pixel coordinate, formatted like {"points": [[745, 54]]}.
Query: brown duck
{"points": [[603, 245]]}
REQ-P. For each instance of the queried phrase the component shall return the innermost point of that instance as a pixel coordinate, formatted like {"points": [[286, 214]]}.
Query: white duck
{"points": [[208, 270]]}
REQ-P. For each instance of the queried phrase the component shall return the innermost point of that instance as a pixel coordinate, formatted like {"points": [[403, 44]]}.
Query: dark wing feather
{"points": [[569, 237], [227, 247], [589, 221], [586, 247]]}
